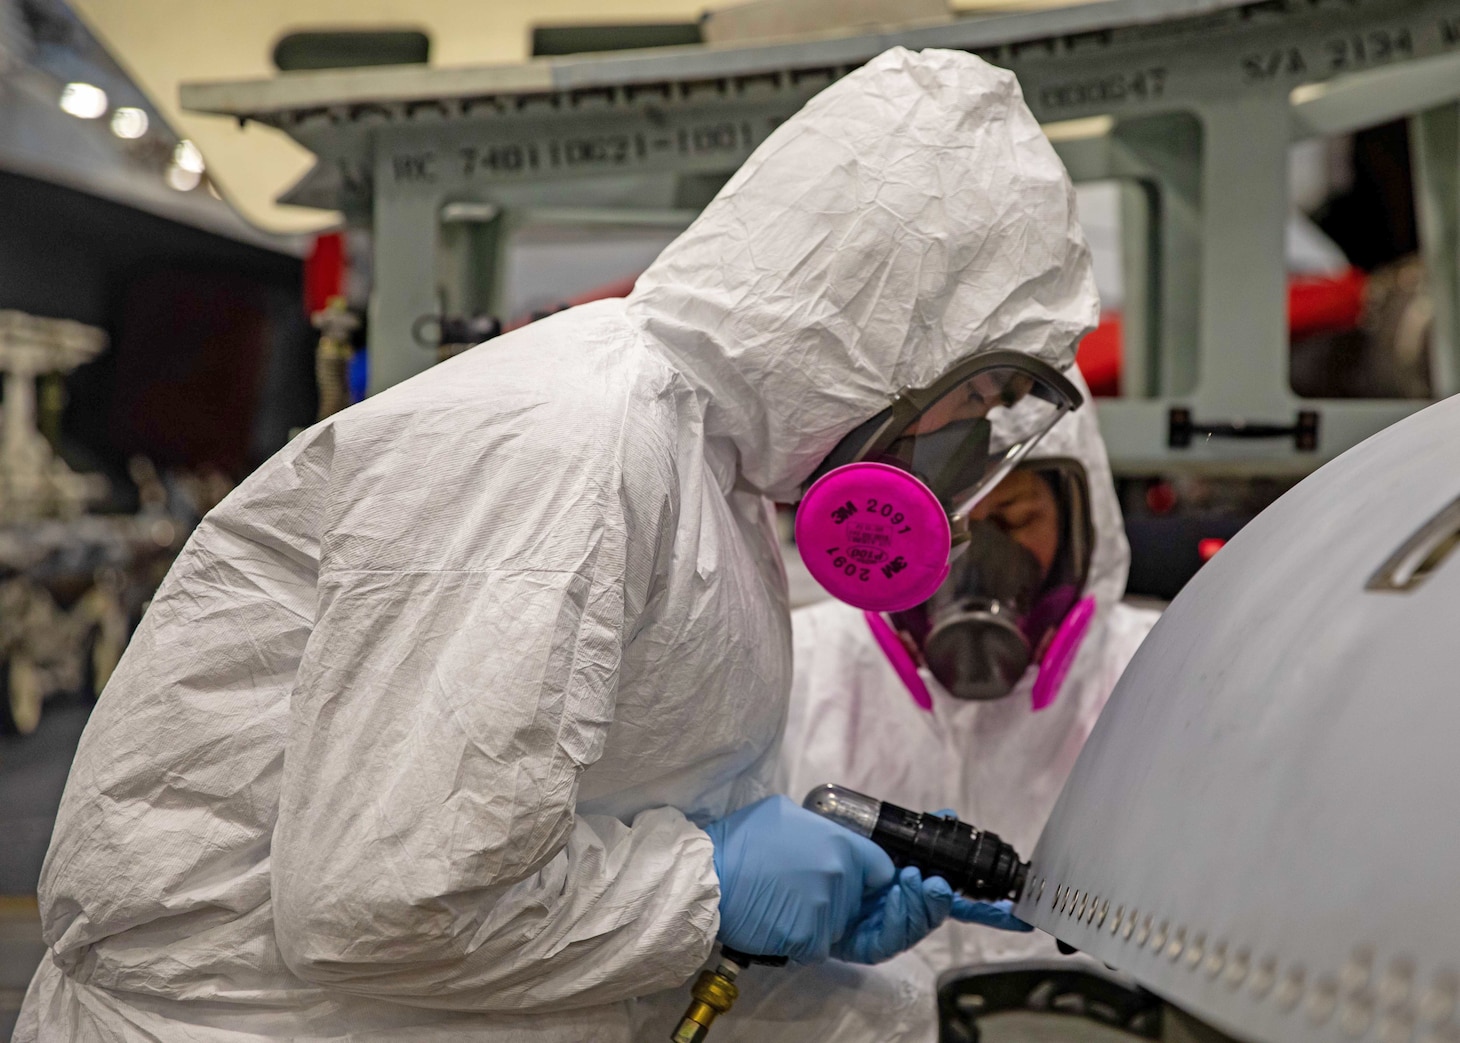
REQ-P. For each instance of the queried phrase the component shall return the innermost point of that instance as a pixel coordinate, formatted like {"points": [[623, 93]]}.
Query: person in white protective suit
{"points": [[438, 728], [858, 720]]}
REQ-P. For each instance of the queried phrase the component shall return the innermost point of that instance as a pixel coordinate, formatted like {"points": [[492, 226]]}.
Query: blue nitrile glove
{"points": [[898, 919], [792, 882], [999, 915]]}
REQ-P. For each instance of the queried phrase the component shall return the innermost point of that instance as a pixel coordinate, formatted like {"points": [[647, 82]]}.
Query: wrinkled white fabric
{"points": [[998, 764], [928, 222], [414, 739]]}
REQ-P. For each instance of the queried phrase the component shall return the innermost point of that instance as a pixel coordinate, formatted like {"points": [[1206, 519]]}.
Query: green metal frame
{"points": [[1191, 104]]}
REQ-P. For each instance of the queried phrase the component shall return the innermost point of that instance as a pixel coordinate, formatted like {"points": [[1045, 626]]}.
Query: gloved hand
{"points": [[897, 920], [792, 882], [998, 915]]}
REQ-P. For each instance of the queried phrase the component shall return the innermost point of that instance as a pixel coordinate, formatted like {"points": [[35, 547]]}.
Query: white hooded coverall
{"points": [[998, 764], [414, 740]]}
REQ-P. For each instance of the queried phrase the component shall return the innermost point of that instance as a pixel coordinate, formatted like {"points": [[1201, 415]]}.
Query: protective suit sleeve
{"points": [[449, 698]]}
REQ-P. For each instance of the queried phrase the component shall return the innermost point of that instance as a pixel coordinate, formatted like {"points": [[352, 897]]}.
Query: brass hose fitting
{"points": [[714, 993]]}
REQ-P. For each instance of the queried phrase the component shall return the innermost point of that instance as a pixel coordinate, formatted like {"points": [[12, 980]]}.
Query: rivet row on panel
{"points": [[1388, 1003]]}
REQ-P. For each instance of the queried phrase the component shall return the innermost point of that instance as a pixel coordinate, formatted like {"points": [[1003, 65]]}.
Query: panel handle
{"points": [[1422, 553]]}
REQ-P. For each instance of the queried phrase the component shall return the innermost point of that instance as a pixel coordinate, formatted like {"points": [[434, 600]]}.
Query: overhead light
{"points": [[182, 179], [1306, 92], [129, 123], [83, 100], [187, 157]]}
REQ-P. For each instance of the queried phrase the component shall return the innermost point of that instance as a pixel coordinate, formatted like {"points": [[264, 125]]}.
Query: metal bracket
{"points": [[1181, 427], [1191, 106], [967, 996]]}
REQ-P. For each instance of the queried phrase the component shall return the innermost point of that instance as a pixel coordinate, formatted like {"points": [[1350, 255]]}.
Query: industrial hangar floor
{"points": [[32, 775]]}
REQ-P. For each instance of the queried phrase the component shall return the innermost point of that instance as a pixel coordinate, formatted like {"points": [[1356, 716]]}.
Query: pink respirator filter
{"points": [[1060, 656], [902, 662], [874, 536]]}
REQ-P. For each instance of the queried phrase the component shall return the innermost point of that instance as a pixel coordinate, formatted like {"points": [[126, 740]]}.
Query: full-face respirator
{"points": [[1004, 606]]}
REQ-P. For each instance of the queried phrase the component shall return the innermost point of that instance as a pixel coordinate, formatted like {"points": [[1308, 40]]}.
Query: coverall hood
{"points": [[909, 216]]}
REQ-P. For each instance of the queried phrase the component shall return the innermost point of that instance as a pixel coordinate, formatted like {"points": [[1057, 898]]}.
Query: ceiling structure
{"points": [[163, 43]]}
